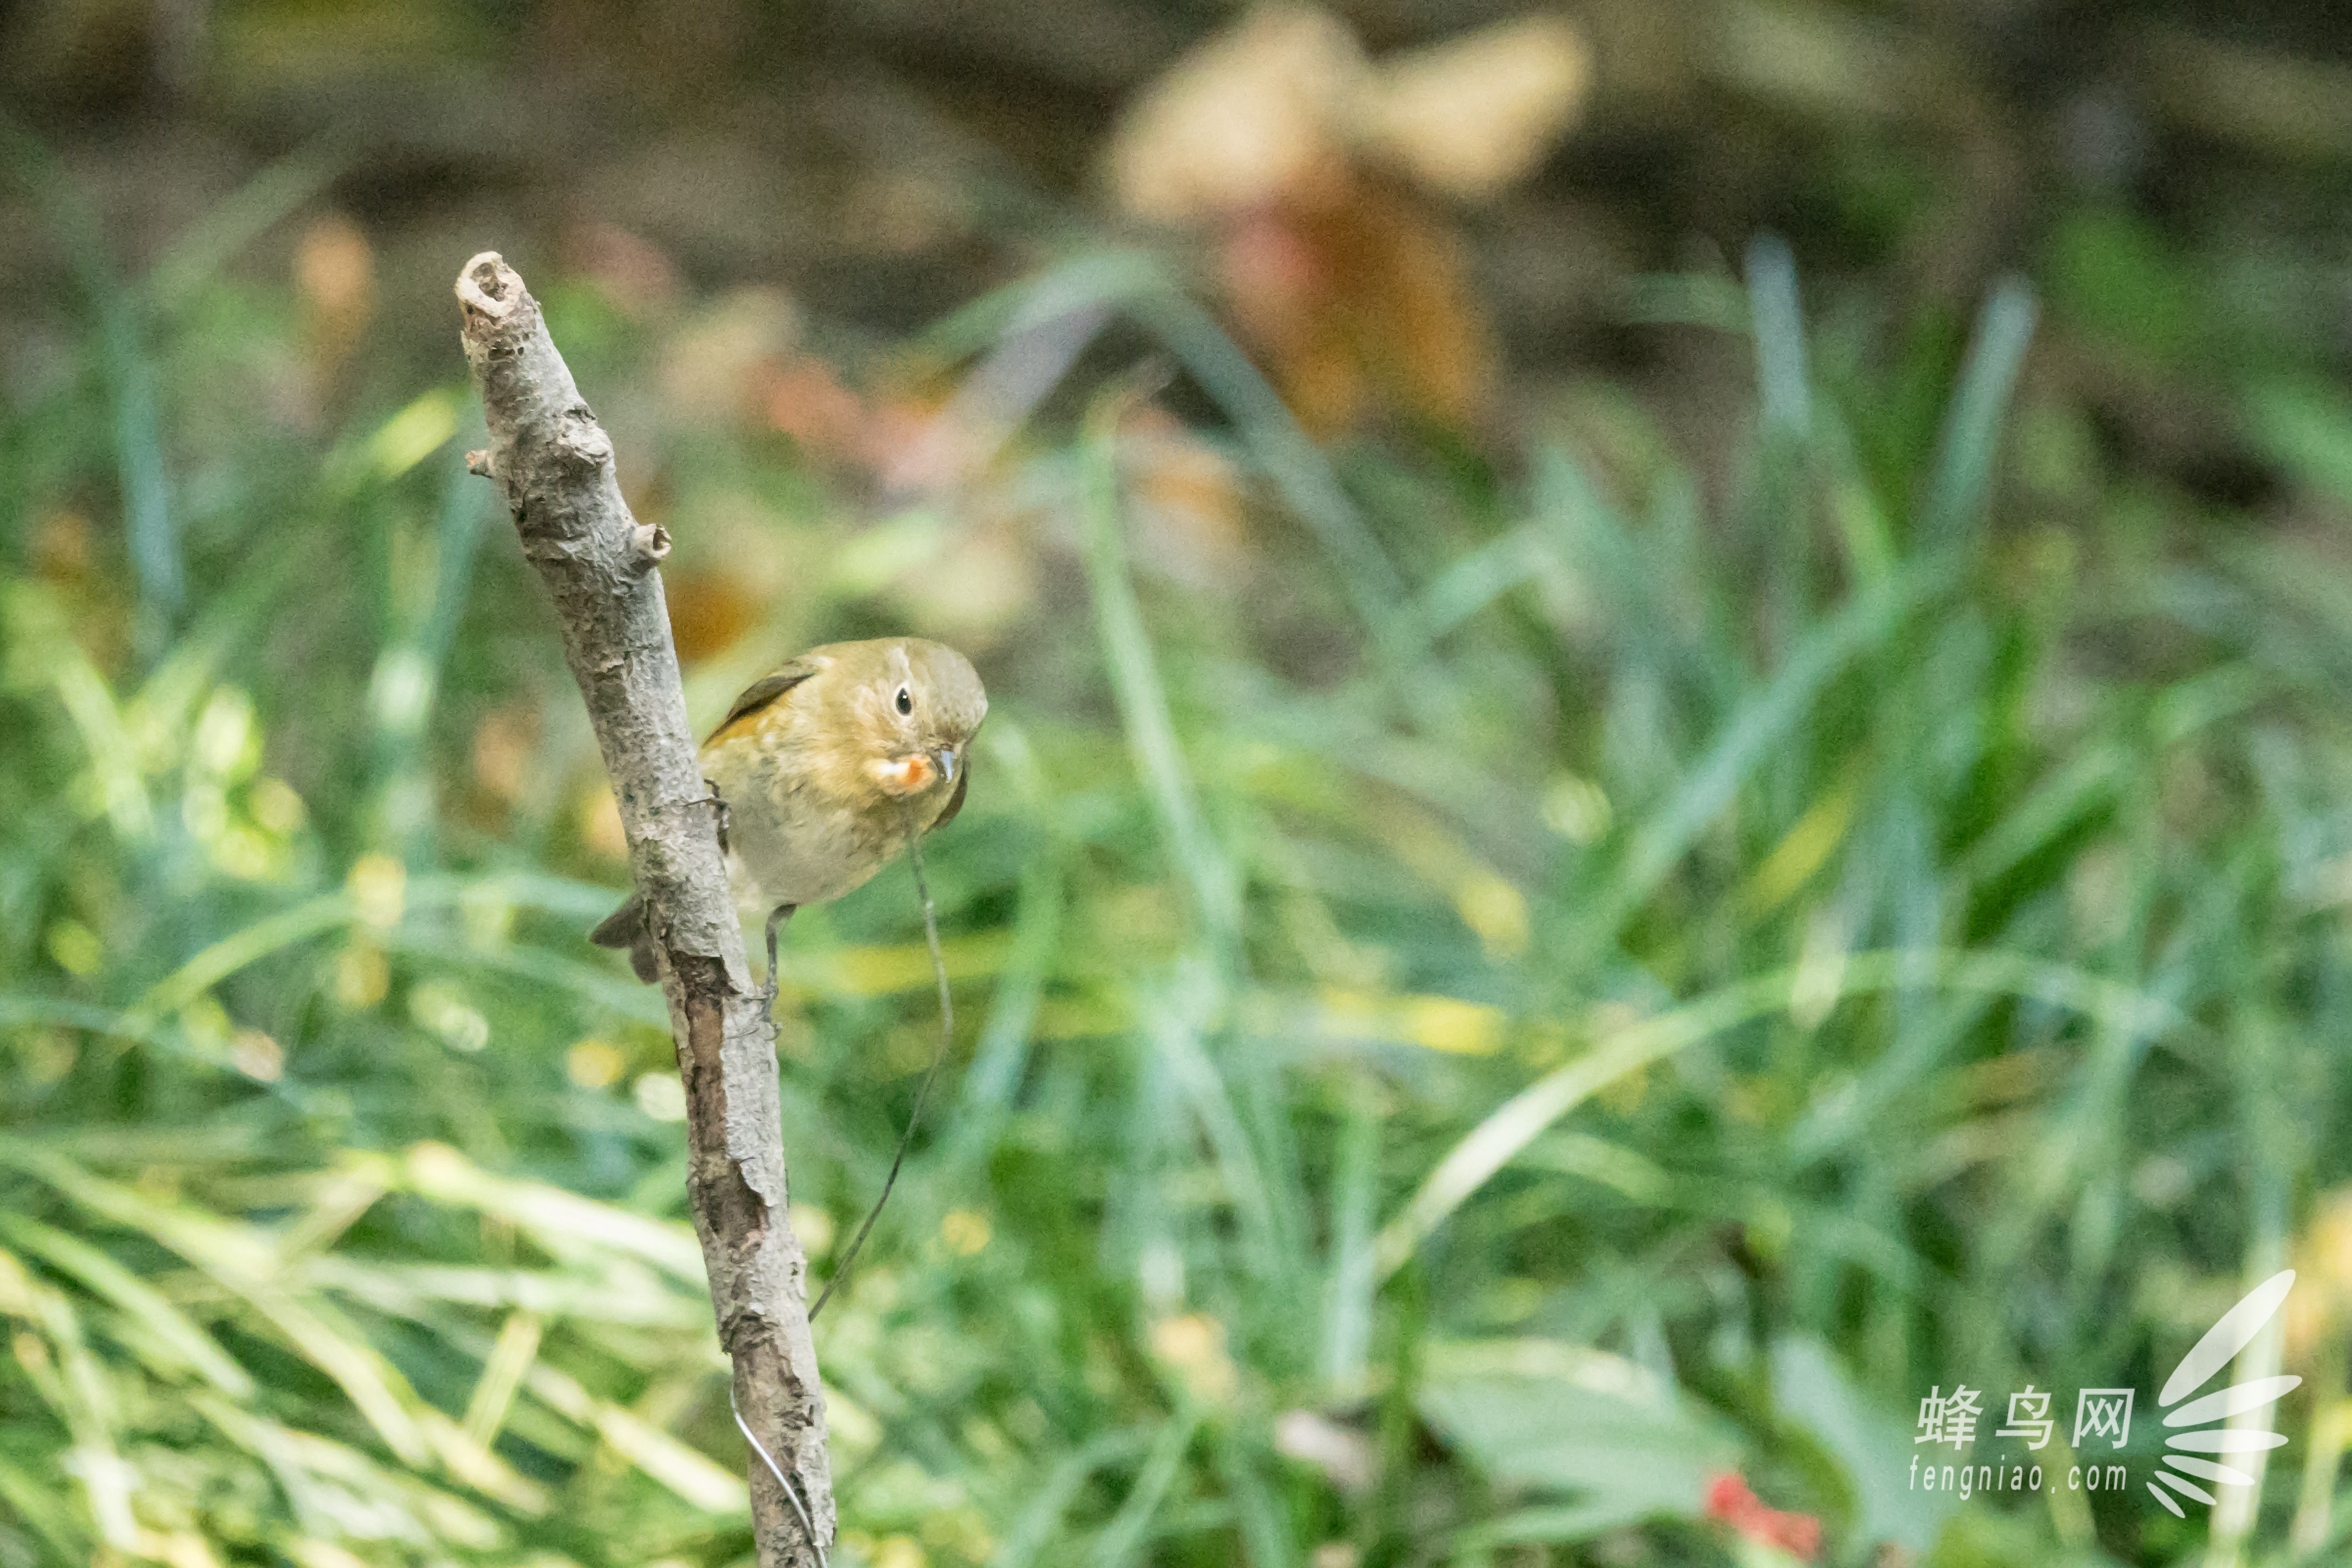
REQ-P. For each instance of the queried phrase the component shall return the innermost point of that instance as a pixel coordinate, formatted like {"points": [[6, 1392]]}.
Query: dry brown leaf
{"points": [[982, 586], [709, 610], [1473, 115], [598, 816], [334, 274], [1275, 109], [1358, 302], [1254, 115], [1192, 502], [804, 398], [505, 750], [1313, 169], [631, 271], [715, 366]]}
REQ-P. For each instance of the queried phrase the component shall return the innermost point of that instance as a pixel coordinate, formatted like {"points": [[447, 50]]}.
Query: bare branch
{"points": [[554, 463]]}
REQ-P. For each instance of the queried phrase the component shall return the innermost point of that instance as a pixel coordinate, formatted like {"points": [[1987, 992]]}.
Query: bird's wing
{"points": [[763, 691], [955, 802]]}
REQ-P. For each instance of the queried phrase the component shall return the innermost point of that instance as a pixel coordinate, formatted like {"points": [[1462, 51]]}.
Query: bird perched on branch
{"points": [[826, 769]]}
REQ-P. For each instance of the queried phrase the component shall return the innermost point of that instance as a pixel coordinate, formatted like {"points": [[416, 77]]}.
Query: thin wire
{"points": [[792, 1492], [938, 1058]]}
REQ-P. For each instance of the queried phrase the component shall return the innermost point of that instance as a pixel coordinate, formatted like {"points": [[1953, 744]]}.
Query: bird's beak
{"points": [[946, 757]]}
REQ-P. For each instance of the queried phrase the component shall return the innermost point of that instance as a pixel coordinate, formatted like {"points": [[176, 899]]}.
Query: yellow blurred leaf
{"points": [[964, 1232], [1496, 911], [414, 434], [379, 890], [1446, 1023]]}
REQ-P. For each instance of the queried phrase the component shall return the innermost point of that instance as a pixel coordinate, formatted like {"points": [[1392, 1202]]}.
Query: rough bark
{"points": [[554, 463]]}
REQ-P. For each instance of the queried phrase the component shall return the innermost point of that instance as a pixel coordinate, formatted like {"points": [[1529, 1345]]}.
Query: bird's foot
{"points": [[719, 810], [776, 919]]}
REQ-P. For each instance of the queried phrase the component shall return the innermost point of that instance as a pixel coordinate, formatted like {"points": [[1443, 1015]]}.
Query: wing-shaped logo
{"points": [[2200, 1431]]}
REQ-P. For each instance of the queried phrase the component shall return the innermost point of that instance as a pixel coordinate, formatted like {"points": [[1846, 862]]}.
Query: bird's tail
{"points": [[625, 927]]}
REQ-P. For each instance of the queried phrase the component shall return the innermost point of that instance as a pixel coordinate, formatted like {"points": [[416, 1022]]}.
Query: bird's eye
{"points": [[906, 701]]}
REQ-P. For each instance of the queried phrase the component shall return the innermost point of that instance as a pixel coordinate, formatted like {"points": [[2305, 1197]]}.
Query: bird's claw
{"points": [[719, 810], [776, 919]]}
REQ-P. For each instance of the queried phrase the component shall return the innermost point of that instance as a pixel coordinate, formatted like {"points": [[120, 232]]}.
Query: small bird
{"points": [[826, 769]]}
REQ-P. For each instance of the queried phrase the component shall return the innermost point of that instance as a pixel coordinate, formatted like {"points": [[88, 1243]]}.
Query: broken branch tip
{"points": [[488, 287]]}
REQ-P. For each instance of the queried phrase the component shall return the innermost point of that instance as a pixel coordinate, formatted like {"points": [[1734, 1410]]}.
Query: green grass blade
{"points": [[1781, 376], [1033, 1531], [1961, 481], [197, 1351], [1288, 456], [1497, 1140], [120, 330], [1142, 698], [199, 251], [1759, 726], [1123, 1540]]}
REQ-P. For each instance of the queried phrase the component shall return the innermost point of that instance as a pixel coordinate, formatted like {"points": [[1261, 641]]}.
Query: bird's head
{"points": [[917, 705]]}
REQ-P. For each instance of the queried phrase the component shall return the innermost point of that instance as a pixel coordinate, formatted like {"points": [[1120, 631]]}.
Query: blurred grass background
{"points": [[1523, 948]]}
